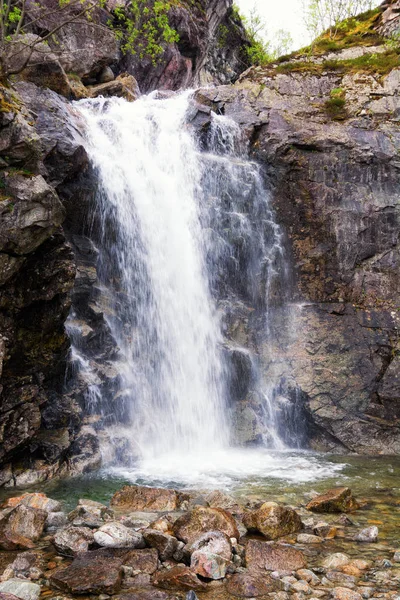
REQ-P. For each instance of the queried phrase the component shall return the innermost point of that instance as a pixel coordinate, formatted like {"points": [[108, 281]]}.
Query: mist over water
{"points": [[177, 226]]}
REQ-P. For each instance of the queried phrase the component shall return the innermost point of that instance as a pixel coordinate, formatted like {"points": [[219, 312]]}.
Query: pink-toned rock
{"points": [[211, 555], [273, 557], [36, 500], [178, 578], [21, 527], [202, 520], [142, 498], [145, 561], [341, 593], [247, 585], [273, 520]]}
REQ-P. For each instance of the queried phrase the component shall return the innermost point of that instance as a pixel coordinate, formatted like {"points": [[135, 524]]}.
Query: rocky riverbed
{"points": [[165, 544]]}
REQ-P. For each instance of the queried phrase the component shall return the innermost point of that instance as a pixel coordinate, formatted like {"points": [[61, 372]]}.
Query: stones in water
{"points": [[116, 535], [246, 585], [94, 572], [306, 538], [368, 535], [273, 557], [22, 589], [343, 593], [338, 500], [211, 555], [201, 520], [273, 520], [73, 540], [55, 520], [141, 498], [334, 561], [21, 527], [178, 578], [145, 594]]}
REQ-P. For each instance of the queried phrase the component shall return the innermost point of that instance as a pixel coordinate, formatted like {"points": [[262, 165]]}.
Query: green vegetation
{"points": [[335, 105], [142, 27]]}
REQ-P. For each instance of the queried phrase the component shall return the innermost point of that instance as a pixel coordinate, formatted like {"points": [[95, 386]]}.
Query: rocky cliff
{"points": [[333, 167], [324, 127]]}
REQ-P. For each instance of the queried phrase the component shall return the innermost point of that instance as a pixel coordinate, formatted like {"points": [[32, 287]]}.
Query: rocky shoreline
{"points": [[162, 544]]}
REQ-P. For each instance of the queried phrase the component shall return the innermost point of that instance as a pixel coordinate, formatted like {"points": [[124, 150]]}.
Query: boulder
{"points": [[249, 585], [145, 561], [24, 590], [73, 540], [306, 538], [36, 500], [369, 535], [218, 499], [334, 501], [95, 572], [56, 520], [178, 578], [141, 498], [273, 520], [211, 555], [124, 86], [273, 557], [21, 527], [201, 520], [165, 544], [116, 535], [89, 513]]}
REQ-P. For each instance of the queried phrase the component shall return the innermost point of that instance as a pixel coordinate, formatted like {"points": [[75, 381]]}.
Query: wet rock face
{"points": [[273, 520], [36, 276], [334, 191], [339, 500]]}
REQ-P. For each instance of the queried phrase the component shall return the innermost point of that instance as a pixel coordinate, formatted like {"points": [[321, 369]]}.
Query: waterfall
{"points": [[186, 242]]}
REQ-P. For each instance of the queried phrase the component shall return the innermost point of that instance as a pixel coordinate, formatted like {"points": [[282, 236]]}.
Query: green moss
{"points": [[335, 106], [358, 31]]}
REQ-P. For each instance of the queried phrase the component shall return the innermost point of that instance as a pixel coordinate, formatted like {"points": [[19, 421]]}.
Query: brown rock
{"points": [[21, 527], [145, 560], [273, 557], [36, 500], [181, 578], [141, 498], [334, 501], [165, 544], [73, 540], [273, 520], [95, 572], [341, 593], [247, 585], [201, 520]]}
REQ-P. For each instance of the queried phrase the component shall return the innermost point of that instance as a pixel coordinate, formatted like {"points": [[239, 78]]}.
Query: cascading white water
{"points": [[165, 323], [185, 239]]}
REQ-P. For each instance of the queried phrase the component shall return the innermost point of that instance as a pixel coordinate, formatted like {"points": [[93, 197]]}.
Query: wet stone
{"points": [[273, 557], [141, 498], [334, 561], [246, 585], [273, 520], [305, 538], [165, 544], [368, 535], [201, 520], [340, 593], [333, 501]]}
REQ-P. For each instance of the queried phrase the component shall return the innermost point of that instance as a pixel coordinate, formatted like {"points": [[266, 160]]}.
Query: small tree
{"points": [[325, 15], [141, 26]]}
